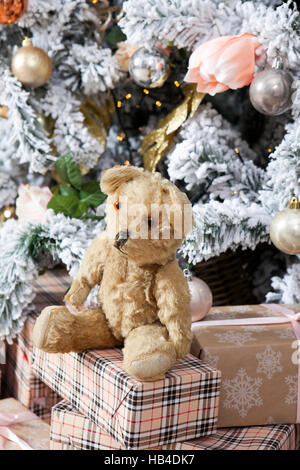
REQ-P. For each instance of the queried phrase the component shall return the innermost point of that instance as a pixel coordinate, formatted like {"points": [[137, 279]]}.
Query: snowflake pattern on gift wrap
{"points": [[235, 337], [268, 362], [211, 359], [292, 382], [286, 333], [242, 393]]}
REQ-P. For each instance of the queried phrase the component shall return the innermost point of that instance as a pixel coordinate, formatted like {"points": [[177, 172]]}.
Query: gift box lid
{"points": [[32, 430], [183, 405]]}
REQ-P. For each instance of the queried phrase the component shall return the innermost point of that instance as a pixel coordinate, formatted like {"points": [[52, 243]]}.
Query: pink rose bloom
{"points": [[32, 203], [223, 63]]}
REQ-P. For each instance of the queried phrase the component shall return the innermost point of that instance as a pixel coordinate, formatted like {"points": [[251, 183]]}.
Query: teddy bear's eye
{"points": [[117, 205]]}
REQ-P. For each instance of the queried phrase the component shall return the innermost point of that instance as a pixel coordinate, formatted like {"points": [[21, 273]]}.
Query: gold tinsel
{"points": [[157, 142], [97, 118]]}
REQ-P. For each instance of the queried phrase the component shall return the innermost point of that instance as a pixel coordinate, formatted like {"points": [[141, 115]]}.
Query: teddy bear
{"points": [[143, 296]]}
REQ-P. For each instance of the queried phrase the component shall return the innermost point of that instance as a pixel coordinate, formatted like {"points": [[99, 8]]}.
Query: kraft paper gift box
{"points": [[20, 429], [255, 348], [136, 414], [19, 379], [71, 430]]}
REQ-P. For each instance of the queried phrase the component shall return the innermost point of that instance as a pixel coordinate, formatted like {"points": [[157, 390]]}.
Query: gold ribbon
{"points": [[157, 142]]}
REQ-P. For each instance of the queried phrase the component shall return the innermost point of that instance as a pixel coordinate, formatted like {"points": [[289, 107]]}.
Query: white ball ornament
{"points": [[201, 298], [285, 229], [271, 91]]}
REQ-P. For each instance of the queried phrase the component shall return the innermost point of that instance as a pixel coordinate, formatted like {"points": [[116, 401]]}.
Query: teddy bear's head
{"points": [[147, 216]]}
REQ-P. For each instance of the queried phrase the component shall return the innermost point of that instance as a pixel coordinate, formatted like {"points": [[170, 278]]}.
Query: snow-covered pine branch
{"points": [[26, 136], [285, 290], [222, 226], [204, 158], [8, 190], [26, 250], [283, 172]]}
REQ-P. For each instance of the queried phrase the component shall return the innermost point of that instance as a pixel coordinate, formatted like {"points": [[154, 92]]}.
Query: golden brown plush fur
{"points": [[143, 296]]}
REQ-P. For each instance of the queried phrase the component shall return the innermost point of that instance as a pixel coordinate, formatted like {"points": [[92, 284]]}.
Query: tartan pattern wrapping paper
{"points": [[136, 414], [71, 430], [19, 379]]}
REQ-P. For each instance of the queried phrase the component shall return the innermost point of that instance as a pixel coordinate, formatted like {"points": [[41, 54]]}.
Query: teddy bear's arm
{"points": [[89, 274], [173, 301]]}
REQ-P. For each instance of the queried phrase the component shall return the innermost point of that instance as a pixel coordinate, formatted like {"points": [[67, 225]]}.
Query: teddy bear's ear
{"points": [[178, 198], [112, 179]]}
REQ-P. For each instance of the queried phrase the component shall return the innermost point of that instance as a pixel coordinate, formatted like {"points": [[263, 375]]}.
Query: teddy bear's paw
{"points": [[46, 332], [41, 327], [151, 368]]}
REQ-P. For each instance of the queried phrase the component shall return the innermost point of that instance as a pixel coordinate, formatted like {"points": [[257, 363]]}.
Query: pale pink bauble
{"points": [[201, 298]]}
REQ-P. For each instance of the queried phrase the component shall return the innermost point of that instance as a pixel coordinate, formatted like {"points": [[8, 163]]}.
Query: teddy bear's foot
{"points": [[58, 331], [152, 367], [148, 353]]}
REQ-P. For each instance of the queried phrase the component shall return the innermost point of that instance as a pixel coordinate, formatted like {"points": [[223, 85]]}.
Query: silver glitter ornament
{"points": [[270, 92], [149, 68]]}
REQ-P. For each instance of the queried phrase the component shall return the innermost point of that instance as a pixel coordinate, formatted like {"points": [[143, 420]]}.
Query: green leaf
{"points": [[115, 35], [61, 166], [92, 194], [66, 205], [68, 191], [55, 190], [68, 170], [82, 208]]}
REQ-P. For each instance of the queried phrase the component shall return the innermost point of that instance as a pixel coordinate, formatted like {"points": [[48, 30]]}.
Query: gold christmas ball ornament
{"points": [[285, 229], [31, 65]]}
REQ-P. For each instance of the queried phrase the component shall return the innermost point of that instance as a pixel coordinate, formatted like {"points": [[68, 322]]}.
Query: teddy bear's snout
{"points": [[121, 238]]}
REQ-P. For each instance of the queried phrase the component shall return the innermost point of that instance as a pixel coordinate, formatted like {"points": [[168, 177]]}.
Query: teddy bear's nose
{"points": [[121, 238]]}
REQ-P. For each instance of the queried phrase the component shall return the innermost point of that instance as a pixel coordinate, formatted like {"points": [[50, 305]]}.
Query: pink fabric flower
{"points": [[223, 63], [31, 204]]}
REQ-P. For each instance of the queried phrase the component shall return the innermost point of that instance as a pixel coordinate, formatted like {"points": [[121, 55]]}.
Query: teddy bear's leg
{"points": [[148, 353], [59, 331]]}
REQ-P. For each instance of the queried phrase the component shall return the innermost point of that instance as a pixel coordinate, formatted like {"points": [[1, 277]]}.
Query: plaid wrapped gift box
{"points": [[71, 430], [136, 414], [18, 377]]}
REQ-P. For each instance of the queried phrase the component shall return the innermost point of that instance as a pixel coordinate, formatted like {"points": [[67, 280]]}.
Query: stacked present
{"points": [[126, 413], [256, 349], [19, 380], [253, 405], [239, 389]]}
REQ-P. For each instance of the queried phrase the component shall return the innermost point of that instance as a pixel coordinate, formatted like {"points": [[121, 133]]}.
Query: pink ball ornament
{"points": [[201, 298]]}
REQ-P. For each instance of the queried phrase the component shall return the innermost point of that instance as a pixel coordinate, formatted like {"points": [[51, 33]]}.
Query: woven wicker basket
{"points": [[229, 276]]}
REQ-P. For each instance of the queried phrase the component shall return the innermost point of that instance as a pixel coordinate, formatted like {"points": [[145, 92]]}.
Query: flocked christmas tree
{"points": [[118, 93]]}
